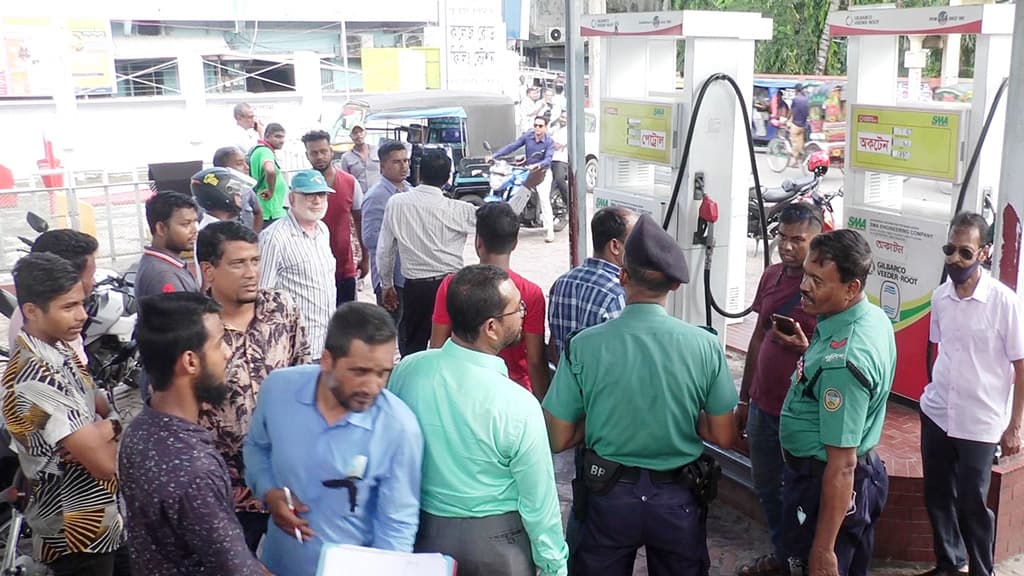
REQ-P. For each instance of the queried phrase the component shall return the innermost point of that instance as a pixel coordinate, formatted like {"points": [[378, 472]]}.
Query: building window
{"points": [[147, 77], [226, 76]]}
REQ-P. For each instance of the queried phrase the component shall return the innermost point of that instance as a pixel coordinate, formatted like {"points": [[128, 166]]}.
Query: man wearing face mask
{"points": [[974, 402], [336, 457], [297, 258], [834, 484]]}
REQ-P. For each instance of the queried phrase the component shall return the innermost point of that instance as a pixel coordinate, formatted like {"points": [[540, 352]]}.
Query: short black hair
{"points": [[474, 296], [435, 168], [41, 277], [222, 157], [848, 250], [162, 205], [801, 213], [543, 117], [967, 219], [497, 226], [168, 326], [651, 280], [361, 321], [609, 224], [315, 136], [74, 246], [272, 128], [210, 243], [387, 148]]}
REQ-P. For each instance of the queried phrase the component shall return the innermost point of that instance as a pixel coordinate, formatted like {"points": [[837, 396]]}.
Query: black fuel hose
{"points": [[971, 167], [709, 298]]}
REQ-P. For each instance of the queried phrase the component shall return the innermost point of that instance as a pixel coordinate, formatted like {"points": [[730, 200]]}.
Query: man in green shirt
{"points": [[835, 485], [271, 187], [651, 388], [488, 493]]}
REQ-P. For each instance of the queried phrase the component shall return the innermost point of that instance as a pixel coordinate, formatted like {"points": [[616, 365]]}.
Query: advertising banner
{"points": [[91, 46], [474, 37], [636, 130], [908, 266], [920, 142], [32, 48]]}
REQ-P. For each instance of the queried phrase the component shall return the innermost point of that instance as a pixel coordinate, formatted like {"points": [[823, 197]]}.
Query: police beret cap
{"points": [[651, 248]]}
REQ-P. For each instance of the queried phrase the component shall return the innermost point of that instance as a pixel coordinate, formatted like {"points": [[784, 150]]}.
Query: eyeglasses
{"points": [[965, 253], [521, 310]]}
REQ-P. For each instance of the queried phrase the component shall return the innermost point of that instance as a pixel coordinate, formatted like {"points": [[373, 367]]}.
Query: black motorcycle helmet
{"points": [[218, 189]]}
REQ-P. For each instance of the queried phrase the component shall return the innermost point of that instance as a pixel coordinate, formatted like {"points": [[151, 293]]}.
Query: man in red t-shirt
{"points": [[769, 368], [343, 213], [497, 233]]}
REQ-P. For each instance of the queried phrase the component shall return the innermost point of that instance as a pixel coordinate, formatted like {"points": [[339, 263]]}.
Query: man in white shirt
{"points": [[974, 402], [247, 130], [428, 230], [560, 160]]}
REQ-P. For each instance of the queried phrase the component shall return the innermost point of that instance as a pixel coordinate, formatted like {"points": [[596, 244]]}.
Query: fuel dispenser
{"points": [[888, 142], [644, 124]]}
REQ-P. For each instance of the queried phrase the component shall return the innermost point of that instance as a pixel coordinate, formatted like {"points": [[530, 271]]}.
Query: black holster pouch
{"points": [[599, 474], [702, 476], [579, 485]]}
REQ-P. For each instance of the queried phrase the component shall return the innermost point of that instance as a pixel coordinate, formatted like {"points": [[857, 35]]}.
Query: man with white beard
{"points": [[296, 255]]}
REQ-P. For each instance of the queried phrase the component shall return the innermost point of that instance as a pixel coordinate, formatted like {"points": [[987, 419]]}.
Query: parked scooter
{"points": [[507, 177], [775, 199]]}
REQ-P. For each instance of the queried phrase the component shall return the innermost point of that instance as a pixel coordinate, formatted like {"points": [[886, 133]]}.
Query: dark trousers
{"points": [[486, 546], [560, 178], [957, 474], [396, 315], [84, 564], [801, 496], [664, 517], [766, 470], [418, 309], [254, 527], [346, 290]]}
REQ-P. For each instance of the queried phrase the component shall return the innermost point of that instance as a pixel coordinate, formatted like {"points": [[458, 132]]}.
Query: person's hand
{"points": [[267, 194], [823, 562], [797, 342], [742, 410], [364, 266], [284, 518], [390, 299], [488, 158], [1010, 442], [257, 127]]}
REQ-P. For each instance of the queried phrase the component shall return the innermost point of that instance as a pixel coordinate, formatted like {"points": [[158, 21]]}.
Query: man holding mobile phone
{"points": [[770, 364]]}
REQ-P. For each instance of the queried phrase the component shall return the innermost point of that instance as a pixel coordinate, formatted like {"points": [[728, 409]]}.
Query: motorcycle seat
{"points": [[776, 195], [800, 184]]}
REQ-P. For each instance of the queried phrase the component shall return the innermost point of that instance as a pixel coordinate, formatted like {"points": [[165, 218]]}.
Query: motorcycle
{"points": [[799, 190], [507, 178], [108, 334]]}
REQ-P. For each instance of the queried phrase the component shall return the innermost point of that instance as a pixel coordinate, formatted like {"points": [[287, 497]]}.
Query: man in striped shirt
{"points": [[296, 255], [429, 231]]}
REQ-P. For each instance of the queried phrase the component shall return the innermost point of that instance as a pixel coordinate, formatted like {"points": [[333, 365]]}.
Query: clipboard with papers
{"points": [[348, 560]]}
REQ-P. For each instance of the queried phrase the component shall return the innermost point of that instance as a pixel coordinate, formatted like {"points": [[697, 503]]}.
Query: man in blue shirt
{"points": [[335, 456], [394, 169], [799, 127], [540, 148]]}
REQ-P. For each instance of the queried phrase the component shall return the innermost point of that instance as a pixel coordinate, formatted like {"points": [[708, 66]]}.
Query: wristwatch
{"points": [[116, 425]]}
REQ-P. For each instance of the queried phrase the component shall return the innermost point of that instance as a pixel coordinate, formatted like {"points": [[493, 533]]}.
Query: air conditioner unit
{"points": [[556, 35]]}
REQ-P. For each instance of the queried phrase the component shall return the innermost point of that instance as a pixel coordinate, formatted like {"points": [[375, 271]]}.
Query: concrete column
{"points": [[951, 55], [1011, 184], [915, 59], [308, 85], [991, 65], [192, 83]]}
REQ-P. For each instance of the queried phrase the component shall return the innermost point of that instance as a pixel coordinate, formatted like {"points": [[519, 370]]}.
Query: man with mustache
{"points": [[834, 484], [49, 408], [264, 331], [297, 258], [974, 402], [336, 457], [176, 490]]}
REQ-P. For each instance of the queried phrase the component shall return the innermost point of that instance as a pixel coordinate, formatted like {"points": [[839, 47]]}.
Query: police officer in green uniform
{"points": [[651, 387], [834, 483]]}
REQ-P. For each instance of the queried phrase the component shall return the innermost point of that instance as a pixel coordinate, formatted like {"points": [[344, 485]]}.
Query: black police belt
{"points": [[700, 476], [816, 467]]}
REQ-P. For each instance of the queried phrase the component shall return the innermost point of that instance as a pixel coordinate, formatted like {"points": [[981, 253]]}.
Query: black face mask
{"points": [[961, 275]]}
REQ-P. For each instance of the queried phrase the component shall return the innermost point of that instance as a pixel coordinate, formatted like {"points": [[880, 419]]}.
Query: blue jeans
{"points": [[766, 470]]}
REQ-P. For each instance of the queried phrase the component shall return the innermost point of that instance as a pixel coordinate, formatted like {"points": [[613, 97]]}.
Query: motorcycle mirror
{"points": [[36, 222]]}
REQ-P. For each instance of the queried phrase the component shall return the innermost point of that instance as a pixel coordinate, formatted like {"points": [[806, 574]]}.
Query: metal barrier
{"points": [[112, 212]]}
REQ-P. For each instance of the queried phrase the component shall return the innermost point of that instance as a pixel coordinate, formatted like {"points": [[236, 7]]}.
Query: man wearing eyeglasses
{"points": [[974, 403], [540, 149], [489, 498]]}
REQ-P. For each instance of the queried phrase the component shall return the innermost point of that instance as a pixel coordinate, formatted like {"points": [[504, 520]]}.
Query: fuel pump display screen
{"points": [[637, 130], [919, 142]]}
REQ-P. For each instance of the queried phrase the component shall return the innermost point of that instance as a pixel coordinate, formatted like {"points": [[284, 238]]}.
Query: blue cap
{"points": [[309, 182]]}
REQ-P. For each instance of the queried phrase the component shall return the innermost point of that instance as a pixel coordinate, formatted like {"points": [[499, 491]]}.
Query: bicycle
{"points": [[780, 150]]}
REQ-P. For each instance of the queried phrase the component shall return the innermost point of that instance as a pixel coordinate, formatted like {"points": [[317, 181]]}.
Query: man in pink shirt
{"points": [[497, 233]]}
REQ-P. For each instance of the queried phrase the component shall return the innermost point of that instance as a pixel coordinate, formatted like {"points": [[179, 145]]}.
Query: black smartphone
{"points": [[785, 324]]}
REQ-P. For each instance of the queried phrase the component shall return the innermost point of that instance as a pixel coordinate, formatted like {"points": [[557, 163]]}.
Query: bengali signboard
{"points": [[637, 130], [474, 38], [907, 268], [920, 142], [32, 48]]}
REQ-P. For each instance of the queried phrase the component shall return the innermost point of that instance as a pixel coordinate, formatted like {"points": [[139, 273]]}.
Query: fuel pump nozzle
{"points": [[706, 217]]}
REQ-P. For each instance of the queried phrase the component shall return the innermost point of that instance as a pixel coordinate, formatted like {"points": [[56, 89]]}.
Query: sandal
{"points": [[766, 565]]}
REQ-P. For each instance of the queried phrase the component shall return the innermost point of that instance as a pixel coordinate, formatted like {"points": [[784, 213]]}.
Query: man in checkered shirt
{"points": [[591, 294]]}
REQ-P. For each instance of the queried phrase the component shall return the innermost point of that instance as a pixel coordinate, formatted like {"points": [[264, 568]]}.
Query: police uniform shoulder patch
{"points": [[832, 399]]}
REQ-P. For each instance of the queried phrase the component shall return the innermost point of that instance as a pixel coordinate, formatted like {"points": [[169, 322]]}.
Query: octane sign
{"points": [[921, 142]]}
